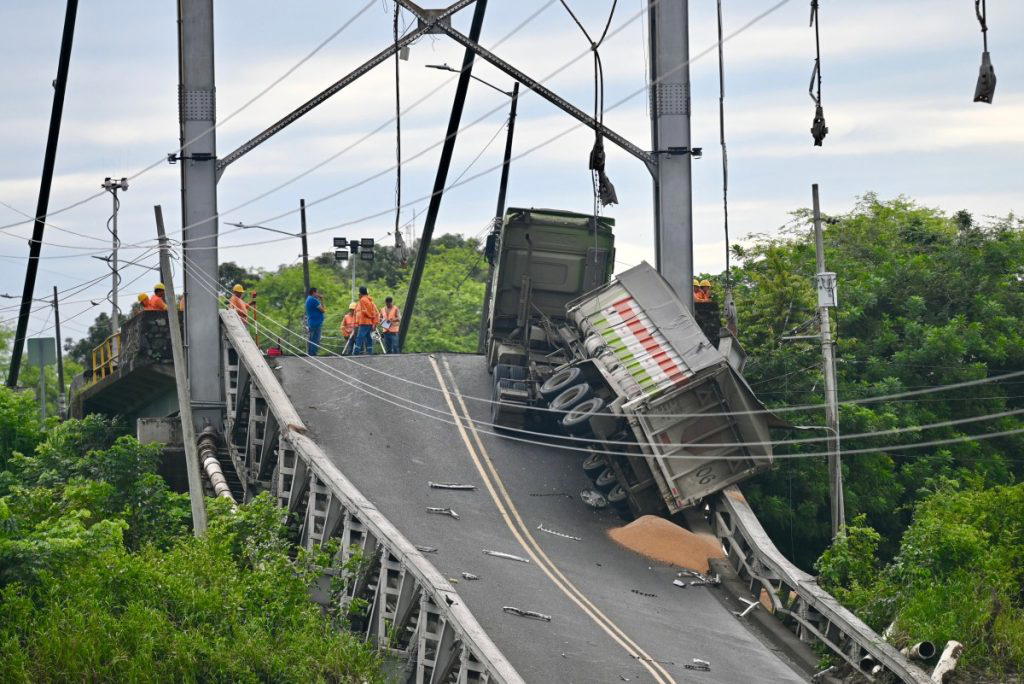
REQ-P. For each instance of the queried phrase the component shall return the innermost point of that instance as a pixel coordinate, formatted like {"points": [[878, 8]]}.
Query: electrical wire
{"points": [[591, 450], [398, 134], [818, 128], [248, 103], [380, 394]]}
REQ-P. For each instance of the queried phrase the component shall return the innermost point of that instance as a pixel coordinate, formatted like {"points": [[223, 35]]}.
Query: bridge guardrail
{"points": [[807, 609], [400, 585]]}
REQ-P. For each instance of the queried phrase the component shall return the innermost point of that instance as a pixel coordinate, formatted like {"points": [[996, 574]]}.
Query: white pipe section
{"points": [[211, 466], [947, 662]]}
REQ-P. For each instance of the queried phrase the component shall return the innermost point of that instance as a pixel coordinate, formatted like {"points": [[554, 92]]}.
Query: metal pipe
{"points": [[947, 661], [211, 466], [305, 248], [440, 180], [43, 203], [923, 650], [499, 215]]}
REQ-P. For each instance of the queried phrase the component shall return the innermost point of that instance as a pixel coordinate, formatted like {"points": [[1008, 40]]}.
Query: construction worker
{"points": [[314, 320], [181, 303], [390, 319], [348, 326], [155, 302], [237, 303], [701, 290], [367, 318], [141, 304]]}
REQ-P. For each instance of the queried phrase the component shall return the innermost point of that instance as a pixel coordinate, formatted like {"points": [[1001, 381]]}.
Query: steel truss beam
{"points": [[412, 611], [796, 598], [434, 21], [534, 85]]}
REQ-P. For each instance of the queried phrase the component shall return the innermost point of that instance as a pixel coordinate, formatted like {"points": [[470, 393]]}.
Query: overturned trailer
{"points": [[672, 421]]}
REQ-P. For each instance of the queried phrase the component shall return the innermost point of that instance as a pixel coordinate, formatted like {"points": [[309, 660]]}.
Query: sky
{"points": [[898, 82]]}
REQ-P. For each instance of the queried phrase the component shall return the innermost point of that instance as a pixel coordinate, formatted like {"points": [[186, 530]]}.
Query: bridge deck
{"points": [[390, 453]]}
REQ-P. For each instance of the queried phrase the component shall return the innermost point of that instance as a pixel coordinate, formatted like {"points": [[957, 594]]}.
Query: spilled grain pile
{"points": [[661, 540]]}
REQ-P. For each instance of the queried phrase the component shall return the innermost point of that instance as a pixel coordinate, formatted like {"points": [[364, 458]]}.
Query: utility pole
{"points": [[305, 248], [112, 186], [825, 282], [198, 157], [441, 178], [61, 407], [43, 203], [670, 138], [499, 215], [188, 430]]}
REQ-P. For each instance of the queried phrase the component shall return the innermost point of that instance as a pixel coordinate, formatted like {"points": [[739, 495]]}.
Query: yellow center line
{"points": [[521, 532]]}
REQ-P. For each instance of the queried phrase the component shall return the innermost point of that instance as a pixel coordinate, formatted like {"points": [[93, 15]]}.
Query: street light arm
{"points": [[243, 226]]}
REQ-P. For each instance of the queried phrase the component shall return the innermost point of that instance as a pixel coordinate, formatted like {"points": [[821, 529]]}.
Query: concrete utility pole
{"points": [[825, 282], [43, 201], [198, 158], [670, 139], [188, 428]]}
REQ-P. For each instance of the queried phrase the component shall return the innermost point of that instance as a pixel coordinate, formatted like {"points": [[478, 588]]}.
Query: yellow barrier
{"points": [[104, 357]]}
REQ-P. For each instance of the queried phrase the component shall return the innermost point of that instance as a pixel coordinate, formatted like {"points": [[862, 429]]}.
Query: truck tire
{"points": [[606, 481], [593, 464], [618, 498], [508, 371], [559, 382], [571, 397], [577, 421]]}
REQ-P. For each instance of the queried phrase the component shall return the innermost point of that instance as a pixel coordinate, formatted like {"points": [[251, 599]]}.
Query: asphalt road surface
{"points": [[394, 424]]}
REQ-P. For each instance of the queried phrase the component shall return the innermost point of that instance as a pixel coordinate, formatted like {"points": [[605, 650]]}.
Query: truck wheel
{"points": [[606, 480], [618, 498], [570, 397], [577, 421], [558, 382], [593, 464]]}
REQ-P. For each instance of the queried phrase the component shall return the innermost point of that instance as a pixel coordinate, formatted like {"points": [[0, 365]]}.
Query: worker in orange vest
{"points": [[390, 319], [702, 293], [367, 318], [141, 304], [348, 326], [155, 302], [237, 303]]}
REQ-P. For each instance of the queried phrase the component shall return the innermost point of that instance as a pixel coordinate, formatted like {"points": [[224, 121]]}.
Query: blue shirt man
{"points": [[314, 320]]}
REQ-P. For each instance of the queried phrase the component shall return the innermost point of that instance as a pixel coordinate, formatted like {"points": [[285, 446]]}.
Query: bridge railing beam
{"points": [[303, 473]]}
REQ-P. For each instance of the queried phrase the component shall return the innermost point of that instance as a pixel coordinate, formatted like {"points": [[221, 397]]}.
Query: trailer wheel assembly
{"points": [[606, 481], [571, 397], [593, 464], [618, 499], [577, 421], [558, 382]]}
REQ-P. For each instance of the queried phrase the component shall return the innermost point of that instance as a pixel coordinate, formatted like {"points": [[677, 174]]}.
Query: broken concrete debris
{"points": [[698, 664], [593, 498]]}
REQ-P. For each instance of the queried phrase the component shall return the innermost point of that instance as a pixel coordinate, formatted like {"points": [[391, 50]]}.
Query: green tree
{"points": [[924, 300]]}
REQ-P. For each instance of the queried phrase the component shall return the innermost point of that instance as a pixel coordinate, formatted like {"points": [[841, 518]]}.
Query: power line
{"points": [[381, 394], [223, 121]]}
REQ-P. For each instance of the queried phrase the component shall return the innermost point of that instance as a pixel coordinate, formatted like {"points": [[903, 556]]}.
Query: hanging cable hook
{"points": [[986, 86], [818, 128]]}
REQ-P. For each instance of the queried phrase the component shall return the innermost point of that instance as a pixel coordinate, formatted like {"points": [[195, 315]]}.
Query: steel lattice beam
{"points": [[534, 85], [435, 21]]}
